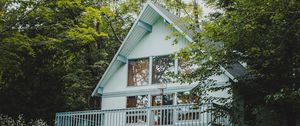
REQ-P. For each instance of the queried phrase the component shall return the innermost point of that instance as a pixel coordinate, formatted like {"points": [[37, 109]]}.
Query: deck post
{"points": [[148, 116]]}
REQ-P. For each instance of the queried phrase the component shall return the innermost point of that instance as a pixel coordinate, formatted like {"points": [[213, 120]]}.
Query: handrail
{"points": [[190, 114]]}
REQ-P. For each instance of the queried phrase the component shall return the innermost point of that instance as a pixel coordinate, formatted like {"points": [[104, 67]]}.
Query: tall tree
{"points": [[53, 53], [264, 35]]}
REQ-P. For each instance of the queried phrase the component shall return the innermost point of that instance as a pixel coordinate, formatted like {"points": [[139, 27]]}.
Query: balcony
{"points": [[173, 115]]}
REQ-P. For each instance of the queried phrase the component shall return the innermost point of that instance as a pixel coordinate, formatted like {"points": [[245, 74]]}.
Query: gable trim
{"points": [[145, 25], [116, 55], [170, 21], [122, 58]]}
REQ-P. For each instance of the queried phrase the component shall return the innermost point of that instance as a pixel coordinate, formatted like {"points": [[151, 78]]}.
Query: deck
{"points": [[173, 115]]}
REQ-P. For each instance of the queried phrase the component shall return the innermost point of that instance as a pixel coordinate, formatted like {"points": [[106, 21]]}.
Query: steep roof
{"points": [[142, 26], [235, 71]]}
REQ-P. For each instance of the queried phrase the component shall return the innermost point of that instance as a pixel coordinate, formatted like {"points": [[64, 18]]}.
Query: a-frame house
{"points": [[136, 90]]}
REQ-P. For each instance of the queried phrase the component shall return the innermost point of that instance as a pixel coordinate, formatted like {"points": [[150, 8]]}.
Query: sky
{"points": [[205, 8]]}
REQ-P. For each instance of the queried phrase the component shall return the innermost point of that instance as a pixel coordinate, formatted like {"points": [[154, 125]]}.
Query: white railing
{"points": [[173, 115]]}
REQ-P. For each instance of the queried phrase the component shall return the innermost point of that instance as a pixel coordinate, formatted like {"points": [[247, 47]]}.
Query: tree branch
{"points": [[112, 28]]}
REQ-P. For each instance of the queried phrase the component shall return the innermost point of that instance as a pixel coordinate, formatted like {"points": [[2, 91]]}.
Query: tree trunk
{"points": [[196, 12]]}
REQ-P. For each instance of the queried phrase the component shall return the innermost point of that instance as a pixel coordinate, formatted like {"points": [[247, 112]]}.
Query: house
{"points": [[139, 67], [135, 89]]}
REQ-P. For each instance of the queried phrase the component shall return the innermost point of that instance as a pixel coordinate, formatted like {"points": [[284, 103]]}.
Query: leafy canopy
{"points": [[264, 35]]}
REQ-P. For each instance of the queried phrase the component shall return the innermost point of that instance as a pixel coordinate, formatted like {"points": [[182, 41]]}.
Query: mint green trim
{"points": [[115, 57], [151, 91], [169, 21], [122, 58], [144, 25], [100, 90]]}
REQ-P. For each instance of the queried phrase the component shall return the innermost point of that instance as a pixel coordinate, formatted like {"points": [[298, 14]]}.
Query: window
{"points": [[138, 72], [164, 116], [161, 66], [167, 100], [137, 101], [139, 116]]}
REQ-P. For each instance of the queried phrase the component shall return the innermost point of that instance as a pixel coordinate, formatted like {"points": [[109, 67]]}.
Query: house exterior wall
{"points": [[113, 103], [152, 44], [155, 43]]}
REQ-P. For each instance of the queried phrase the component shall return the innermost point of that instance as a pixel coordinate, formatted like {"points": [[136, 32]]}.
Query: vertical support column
{"points": [[150, 69], [175, 109], [149, 111], [176, 66]]}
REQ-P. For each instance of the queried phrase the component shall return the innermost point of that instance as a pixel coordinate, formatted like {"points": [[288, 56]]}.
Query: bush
{"points": [[9, 121]]}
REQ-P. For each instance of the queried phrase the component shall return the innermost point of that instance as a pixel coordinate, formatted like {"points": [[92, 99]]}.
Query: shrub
{"points": [[19, 121]]}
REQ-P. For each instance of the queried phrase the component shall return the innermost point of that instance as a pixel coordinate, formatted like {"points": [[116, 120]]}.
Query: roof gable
{"points": [[142, 26]]}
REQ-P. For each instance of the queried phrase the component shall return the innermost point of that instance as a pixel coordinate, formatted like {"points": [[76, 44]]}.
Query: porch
{"points": [[171, 115]]}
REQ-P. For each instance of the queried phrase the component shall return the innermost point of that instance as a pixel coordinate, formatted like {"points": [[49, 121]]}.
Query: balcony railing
{"points": [[173, 115]]}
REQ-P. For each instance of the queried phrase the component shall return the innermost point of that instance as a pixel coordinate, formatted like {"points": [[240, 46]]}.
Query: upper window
{"points": [[138, 72], [162, 65]]}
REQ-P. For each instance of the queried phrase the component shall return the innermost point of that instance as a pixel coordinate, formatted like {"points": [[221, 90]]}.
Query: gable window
{"points": [[161, 66], [138, 72]]}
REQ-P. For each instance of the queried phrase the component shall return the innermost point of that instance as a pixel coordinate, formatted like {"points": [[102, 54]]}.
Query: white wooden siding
{"points": [[152, 44]]}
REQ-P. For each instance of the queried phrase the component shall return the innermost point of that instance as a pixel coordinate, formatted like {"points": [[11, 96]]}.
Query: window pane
{"points": [[160, 67], [138, 72], [139, 116], [168, 100], [137, 101]]}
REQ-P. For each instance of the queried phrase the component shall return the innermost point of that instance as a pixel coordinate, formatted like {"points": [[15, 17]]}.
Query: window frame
{"points": [[127, 72], [136, 96], [172, 95], [150, 69], [175, 68]]}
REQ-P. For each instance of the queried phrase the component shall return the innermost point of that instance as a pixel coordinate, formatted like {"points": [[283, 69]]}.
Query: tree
{"points": [[265, 36], [52, 54]]}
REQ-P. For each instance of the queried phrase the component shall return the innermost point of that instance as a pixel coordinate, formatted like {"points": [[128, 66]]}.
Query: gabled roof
{"points": [[235, 71], [142, 26]]}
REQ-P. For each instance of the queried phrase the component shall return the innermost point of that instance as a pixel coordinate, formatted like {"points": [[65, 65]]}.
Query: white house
{"points": [[139, 67], [136, 80]]}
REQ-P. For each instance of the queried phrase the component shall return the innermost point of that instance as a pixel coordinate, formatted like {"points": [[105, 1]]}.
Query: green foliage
{"points": [[262, 34], [53, 53], [19, 121]]}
